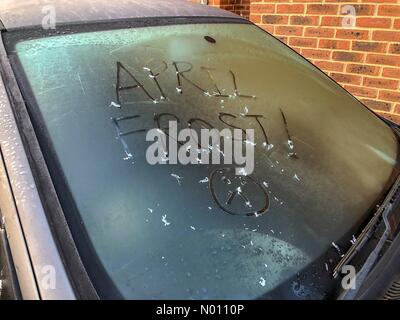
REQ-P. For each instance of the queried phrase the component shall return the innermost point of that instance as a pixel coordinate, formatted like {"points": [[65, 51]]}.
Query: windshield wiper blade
{"points": [[367, 231], [382, 212], [361, 275], [364, 235]]}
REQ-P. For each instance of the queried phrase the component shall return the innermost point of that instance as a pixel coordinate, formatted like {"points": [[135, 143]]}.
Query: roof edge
{"points": [[28, 13]]}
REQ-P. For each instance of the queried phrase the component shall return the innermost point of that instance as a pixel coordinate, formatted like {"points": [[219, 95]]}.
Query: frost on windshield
{"points": [[200, 230]]}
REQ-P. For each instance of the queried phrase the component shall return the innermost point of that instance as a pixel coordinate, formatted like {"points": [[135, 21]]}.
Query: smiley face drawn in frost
{"points": [[238, 195]]}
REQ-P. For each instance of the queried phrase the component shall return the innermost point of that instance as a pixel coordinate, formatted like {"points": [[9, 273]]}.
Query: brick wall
{"points": [[364, 58]]}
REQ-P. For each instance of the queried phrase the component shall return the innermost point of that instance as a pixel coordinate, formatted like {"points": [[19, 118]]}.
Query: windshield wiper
{"points": [[382, 212], [366, 232]]}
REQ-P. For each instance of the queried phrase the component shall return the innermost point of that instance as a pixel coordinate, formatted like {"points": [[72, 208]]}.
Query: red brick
{"points": [[329, 65], [319, 32], [372, 22], [363, 9], [347, 56], [384, 35], [397, 24], [371, 1], [377, 105], [346, 78], [363, 69], [352, 34], [256, 18], [304, 20], [305, 0], [322, 9], [389, 60], [262, 8], [303, 42], [334, 44], [389, 95], [333, 21], [290, 8], [361, 91], [289, 30], [389, 10], [380, 83], [368, 46], [391, 73], [274, 19], [394, 48], [316, 54]]}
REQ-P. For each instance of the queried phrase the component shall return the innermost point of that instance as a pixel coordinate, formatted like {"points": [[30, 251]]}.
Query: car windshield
{"points": [[202, 231]]}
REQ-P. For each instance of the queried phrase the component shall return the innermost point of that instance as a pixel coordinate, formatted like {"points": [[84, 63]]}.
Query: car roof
{"points": [[28, 13]]}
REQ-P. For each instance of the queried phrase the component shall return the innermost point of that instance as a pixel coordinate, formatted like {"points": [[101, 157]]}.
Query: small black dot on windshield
{"points": [[210, 39]]}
